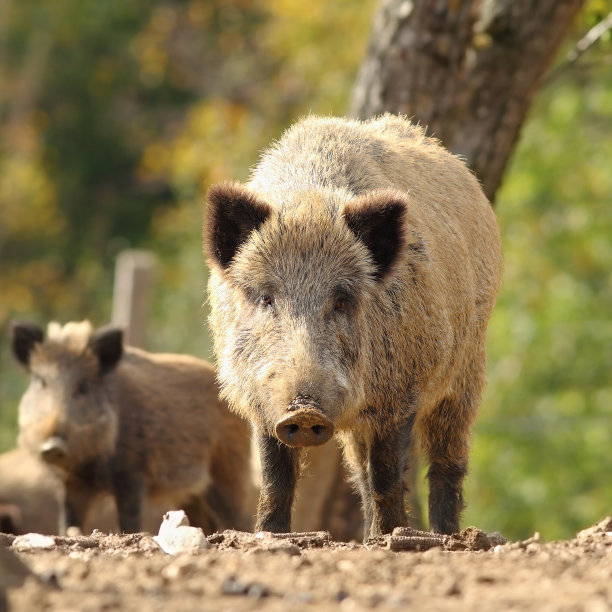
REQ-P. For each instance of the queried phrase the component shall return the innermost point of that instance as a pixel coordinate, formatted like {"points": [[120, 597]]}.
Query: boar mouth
{"points": [[305, 425]]}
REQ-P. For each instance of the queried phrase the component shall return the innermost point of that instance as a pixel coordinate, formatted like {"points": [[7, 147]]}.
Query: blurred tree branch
{"points": [[595, 34]]}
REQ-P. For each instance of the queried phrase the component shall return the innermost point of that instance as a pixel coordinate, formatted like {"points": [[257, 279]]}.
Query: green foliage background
{"points": [[115, 116]]}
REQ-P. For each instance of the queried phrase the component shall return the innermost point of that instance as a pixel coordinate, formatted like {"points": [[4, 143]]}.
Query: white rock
{"points": [[176, 536], [31, 541]]}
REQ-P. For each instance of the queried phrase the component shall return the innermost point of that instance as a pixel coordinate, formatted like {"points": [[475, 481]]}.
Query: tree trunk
{"points": [[466, 70]]}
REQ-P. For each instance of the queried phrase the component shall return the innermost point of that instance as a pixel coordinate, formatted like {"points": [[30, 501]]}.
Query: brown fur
{"points": [[32, 500], [361, 275], [30, 494], [136, 424]]}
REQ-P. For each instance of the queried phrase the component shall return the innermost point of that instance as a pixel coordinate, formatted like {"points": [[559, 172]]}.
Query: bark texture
{"points": [[465, 69]]}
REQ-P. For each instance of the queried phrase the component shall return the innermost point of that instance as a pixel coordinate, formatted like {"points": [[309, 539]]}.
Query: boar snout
{"points": [[54, 449], [305, 425]]}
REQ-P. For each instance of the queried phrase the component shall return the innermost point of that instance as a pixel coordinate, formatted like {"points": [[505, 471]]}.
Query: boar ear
{"points": [[107, 345], [233, 213], [377, 219], [23, 338]]}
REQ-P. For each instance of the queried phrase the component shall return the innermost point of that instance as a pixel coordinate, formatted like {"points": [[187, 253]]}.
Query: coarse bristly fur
{"points": [[114, 419], [357, 268]]}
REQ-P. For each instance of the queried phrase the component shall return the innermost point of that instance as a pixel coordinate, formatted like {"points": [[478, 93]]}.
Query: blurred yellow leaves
{"points": [[220, 137], [154, 161], [149, 48], [217, 141], [295, 34], [28, 213], [27, 198]]}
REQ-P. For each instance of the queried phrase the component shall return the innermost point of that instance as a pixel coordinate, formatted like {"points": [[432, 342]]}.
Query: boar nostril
{"points": [[305, 426], [54, 449]]}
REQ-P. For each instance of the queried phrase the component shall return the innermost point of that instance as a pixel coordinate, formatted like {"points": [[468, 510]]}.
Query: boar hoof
{"points": [[54, 449], [304, 427]]}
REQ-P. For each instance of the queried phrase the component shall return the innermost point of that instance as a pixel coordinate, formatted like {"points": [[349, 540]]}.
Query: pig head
{"points": [[66, 416], [291, 306]]}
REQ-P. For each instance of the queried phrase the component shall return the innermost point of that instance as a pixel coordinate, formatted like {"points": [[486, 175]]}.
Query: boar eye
{"points": [[82, 387], [266, 300], [341, 304]]}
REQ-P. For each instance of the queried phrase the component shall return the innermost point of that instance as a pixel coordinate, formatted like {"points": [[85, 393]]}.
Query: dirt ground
{"points": [[410, 569]]}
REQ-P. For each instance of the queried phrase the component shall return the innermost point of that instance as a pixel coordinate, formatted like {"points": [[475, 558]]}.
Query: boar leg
{"points": [[280, 466], [386, 467], [378, 465], [129, 495], [76, 504], [223, 510], [200, 514], [72, 516], [411, 476], [445, 434]]}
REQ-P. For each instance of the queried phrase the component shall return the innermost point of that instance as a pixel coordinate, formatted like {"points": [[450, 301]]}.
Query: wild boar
{"points": [[351, 282], [139, 425]]}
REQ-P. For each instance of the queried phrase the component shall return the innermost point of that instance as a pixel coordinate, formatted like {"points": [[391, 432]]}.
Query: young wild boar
{"points": [[351, 283], [117, 419]]}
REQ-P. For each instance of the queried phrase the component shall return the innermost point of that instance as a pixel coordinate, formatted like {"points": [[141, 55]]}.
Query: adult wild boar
{"points": [[351, 283], [139, 425]]}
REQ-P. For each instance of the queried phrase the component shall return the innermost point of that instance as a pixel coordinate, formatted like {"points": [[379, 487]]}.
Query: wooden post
{"points": [[134, 272]]}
